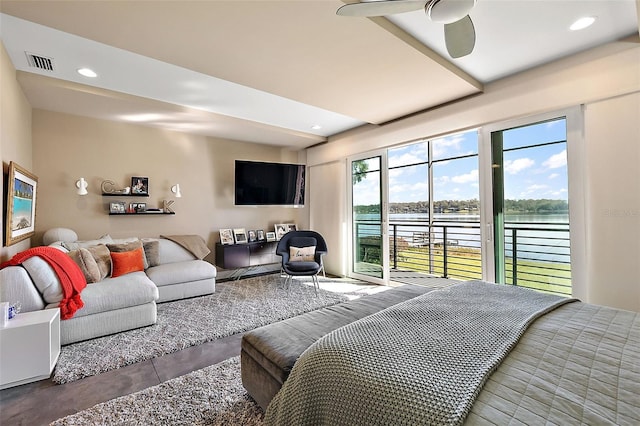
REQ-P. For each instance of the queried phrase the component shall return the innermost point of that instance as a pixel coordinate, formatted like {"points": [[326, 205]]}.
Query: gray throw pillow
{"points": [[130, 246], [102, 256], [84, 259], [151, 251]]}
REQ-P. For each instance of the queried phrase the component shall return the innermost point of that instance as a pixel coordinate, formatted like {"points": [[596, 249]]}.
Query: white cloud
{"points": [[472, 176], [556, 161], [415, 187], [446, 146], [416, 153], [516, 166], [536, 187], [553, 175]]}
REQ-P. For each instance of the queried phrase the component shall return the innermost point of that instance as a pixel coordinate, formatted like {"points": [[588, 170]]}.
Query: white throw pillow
{"points": [[302, 254]]}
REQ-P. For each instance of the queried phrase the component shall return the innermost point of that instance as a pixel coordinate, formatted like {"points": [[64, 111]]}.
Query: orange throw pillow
{"points": [[126, 262]]}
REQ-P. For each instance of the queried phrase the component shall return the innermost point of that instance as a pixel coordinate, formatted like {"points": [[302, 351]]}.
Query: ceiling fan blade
{"points": [[460, 37], [380, 8]]}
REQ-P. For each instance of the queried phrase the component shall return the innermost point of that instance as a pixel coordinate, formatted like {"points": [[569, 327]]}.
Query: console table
{"points": [[30, 347], [240, 256]]}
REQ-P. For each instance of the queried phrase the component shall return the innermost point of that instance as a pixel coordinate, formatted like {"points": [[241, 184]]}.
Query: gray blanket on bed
{"points": [[423, 361]]}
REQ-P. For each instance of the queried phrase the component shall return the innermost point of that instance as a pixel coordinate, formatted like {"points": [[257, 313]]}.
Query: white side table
{"points": [[29, 347]]}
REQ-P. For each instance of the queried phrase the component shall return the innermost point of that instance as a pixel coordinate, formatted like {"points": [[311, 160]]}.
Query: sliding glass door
{"points": [[369, 245], [527, 206], [488, 204]]}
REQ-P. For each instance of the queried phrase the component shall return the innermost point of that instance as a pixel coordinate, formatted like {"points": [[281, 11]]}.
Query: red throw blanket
{"points": [[69, 273]]}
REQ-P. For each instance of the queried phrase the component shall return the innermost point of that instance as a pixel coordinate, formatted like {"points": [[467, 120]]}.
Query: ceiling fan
{"points": [[459, 33]]}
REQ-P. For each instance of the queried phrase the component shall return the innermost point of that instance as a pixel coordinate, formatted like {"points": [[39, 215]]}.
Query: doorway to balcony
{"points": [[484, 204]]}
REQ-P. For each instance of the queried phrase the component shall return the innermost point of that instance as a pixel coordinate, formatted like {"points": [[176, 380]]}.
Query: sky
{"points": [[538, 172]]}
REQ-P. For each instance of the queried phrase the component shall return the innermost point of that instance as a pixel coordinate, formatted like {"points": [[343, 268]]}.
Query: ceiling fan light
{"points": [[448, 11]]}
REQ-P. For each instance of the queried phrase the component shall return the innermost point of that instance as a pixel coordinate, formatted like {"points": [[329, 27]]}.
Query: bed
{"points": [[472, 353]]}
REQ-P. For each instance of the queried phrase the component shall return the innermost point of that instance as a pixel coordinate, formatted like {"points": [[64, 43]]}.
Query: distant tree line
{"points": [[539, 206]]}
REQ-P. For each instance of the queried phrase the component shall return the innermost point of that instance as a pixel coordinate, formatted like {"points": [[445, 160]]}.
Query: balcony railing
{"points": [[536, 254]]}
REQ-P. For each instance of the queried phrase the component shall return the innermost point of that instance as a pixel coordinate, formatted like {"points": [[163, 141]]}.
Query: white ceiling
{"points": [[268, 71]]}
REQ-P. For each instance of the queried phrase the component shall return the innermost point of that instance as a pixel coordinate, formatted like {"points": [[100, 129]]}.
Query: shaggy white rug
{"points": [[211, 396], [235, 307]]}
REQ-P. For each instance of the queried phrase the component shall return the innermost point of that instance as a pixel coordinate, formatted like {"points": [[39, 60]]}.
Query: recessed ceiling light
{"points": [[582, 23], [316, 127], [87, 72]]}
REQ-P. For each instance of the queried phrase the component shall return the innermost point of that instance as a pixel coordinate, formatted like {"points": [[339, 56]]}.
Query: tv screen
{"points": [[265, 184]]}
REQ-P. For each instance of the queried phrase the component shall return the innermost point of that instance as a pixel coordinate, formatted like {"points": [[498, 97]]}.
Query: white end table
{"points": [[29, 347]]}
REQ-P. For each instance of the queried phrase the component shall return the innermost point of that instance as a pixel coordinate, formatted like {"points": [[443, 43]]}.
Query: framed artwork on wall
{"points": [[226, 236], [140, 185], [22, 187], [240, 235]]}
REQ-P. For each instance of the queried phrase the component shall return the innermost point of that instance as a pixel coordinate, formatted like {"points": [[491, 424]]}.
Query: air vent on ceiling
{"points": [[40, 62]]}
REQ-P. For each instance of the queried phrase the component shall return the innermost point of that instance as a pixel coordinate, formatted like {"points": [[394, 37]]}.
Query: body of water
{"points": [[539, 237]]}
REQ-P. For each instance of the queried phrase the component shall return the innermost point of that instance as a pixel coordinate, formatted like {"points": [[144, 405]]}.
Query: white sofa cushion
{"points": [[58, 235], [176, 273], [170, 252], [88, 243], [116, 293], [44, 278], [13, 289]]}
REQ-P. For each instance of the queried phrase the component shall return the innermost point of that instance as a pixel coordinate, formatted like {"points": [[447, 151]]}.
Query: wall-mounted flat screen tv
{"points": [[269, 184]]}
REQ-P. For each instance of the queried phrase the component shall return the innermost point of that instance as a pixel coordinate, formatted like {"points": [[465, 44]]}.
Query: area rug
{"points": [[235, 307], [211, 396]]}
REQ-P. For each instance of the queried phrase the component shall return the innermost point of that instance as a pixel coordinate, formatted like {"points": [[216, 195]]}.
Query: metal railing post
{"points": [[514, 254], [444, 252], [395, 246]]}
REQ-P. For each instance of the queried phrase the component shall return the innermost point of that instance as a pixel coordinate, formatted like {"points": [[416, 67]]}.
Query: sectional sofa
{"points": [[111, 303]]}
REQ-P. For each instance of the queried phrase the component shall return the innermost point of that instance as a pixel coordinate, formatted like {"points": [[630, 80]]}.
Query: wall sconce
{"points": [[82, 186], [176, 190]]}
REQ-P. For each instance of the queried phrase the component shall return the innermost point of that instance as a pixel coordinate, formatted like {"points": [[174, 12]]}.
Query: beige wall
{"points": [[607, 82], [327, 195], [67, 147], [612, 129], [15, 138]]}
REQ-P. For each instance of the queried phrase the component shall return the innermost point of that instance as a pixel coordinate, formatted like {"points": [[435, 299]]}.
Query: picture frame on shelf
{"points": [[260, 234], [226, 236], [117, 207], [281, 229], [240, 235], [291, 227], [140, 208], [271, 236], [252, 236], [140, 185], [22, 187]]}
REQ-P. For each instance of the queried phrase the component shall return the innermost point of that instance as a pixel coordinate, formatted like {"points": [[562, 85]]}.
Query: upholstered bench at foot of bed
{"points": [[268, 353]]}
